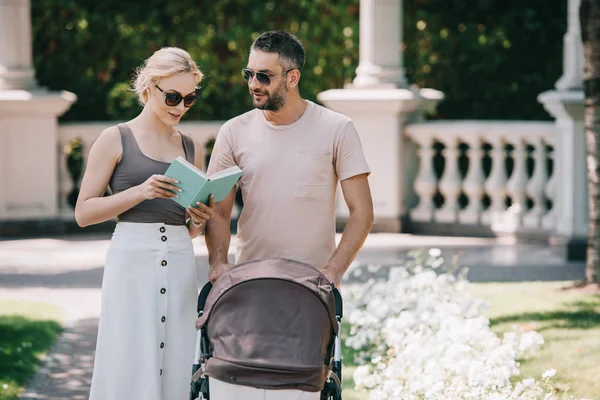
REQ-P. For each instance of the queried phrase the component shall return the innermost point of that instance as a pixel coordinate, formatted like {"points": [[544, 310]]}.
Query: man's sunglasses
{"points": [[173, 99], [262, 78]]}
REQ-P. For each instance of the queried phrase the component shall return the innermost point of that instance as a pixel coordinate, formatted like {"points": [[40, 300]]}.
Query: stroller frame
{"points": [[199, 386]]}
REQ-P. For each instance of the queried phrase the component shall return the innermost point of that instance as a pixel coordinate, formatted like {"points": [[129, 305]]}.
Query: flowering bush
{"points": [[420, 334]]}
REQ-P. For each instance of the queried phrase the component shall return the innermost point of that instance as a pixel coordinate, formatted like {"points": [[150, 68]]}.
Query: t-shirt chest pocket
{"points": [[312, 173]]}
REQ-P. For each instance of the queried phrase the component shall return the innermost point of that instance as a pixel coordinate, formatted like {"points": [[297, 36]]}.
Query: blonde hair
{"points": [[163, 63]]}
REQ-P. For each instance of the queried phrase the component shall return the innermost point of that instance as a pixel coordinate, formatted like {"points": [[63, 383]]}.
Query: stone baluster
{"points": [[536, 186], [495, 185], [450, 184], [516, 186], [473, 183], [425, 184], [549, 220]]}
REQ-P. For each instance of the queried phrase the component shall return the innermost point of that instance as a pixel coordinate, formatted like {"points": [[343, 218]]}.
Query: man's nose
{"points": [[253, 82]]}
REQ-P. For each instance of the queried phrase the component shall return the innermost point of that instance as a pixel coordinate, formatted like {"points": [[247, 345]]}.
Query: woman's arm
{"points": [[92, 207]]}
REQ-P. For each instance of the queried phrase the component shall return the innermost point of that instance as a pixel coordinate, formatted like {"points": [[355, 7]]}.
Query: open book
{"points": [[197, 186]]}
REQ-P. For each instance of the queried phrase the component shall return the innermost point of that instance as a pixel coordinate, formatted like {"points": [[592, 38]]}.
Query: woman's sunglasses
{"points": [[173, 99], [262, 78]]}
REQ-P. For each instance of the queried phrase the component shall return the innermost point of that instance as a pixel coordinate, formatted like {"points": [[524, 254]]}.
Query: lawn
{"points": [[568, 320], [27, 331]]}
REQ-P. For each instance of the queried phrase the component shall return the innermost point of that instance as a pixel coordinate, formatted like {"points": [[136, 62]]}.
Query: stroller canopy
{"points": [[271, 324]]}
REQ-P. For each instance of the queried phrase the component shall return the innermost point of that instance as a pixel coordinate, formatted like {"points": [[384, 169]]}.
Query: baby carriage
{"points": [[271, 324]]}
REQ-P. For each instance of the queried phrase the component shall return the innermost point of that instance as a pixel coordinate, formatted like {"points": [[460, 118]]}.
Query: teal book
{"points": [[197, 186]]}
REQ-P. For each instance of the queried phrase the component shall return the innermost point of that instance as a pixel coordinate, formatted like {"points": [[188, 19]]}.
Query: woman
{"points": [[146, 334]]}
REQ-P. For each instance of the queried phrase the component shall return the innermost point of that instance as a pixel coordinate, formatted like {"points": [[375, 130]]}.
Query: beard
{"points": [[273, 101]]}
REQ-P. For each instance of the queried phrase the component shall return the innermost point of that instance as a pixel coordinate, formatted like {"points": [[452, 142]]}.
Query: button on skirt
{"points": [[146, 333]]}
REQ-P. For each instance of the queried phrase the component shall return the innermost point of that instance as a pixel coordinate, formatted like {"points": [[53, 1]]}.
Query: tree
{"points": [[589, 14]]}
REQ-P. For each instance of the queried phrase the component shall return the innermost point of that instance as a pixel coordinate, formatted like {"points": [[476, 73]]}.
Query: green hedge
{"points": [[491, 58]]}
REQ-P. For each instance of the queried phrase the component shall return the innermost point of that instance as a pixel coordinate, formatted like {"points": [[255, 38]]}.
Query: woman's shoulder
{"points": [[112, 132], [109, 141]]}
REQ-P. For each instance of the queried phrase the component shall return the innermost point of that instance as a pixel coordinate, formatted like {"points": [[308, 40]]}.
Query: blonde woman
{"points": [[146, 334]]}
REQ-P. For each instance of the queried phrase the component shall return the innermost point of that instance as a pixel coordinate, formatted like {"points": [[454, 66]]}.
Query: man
{"points": [[293, 153]]}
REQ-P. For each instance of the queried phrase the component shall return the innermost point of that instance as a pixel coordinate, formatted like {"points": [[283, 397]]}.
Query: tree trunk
{"points": [[590, 32]]}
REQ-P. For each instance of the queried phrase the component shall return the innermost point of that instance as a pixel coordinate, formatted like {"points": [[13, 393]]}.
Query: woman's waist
{"points": [[155, 211], [150, 233]]}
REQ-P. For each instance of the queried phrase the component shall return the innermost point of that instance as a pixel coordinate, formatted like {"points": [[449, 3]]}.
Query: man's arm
{"points": [[357, 195], [218, 237]]}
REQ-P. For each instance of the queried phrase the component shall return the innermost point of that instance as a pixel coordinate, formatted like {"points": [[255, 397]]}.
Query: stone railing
{"points": [[88, 132], [488, 173]]}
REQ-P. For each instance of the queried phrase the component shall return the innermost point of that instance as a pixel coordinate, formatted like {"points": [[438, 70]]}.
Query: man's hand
{"points": [[200, 213], [217, 270], [332, 274]]}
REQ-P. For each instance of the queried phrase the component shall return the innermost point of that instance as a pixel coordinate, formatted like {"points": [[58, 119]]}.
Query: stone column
{"points": [[565, 104], [380, 104], [28, 124], [16, 71], [381, 61], [572, 78]]}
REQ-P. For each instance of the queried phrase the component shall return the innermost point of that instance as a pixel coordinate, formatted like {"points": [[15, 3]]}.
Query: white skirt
{"points": [[220, 390], [146, 333]]}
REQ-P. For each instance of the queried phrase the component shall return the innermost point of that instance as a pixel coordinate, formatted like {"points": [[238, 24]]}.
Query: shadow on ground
{"points": [[575, 315], [68, 373], [89, 279]]}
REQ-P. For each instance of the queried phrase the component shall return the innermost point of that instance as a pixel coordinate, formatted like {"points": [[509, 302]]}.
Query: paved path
{"points": [[67, 272]]}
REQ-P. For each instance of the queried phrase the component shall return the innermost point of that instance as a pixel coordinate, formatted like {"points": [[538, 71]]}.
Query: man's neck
{"points": [[290, 113]]}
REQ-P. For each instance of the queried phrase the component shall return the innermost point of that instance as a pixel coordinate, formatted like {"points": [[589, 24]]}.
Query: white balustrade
{"points": [[497, 185], [517, 185], [536, 187], [450, 184], [549, 219], [425, 182], [473, 183], [476, 184]]}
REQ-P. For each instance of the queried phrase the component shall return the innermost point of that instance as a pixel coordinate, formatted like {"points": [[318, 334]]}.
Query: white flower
{"points": [[421, 335], [435, 252], [549, 373]]}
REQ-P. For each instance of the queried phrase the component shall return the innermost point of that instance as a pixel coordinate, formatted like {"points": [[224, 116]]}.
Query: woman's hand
{"points": [[159, 187], [200, 213]]}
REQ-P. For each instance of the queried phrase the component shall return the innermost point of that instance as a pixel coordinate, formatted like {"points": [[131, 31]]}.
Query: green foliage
{"points": [[22, 342], [491, 58], [92, 48]]}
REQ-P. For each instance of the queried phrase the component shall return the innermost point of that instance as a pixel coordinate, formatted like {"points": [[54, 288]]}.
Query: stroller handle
{"points": [[339, 306], [203, 296]]}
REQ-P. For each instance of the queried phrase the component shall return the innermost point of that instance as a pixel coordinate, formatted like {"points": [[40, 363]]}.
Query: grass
{"points": [[27, 331], [569, 320]]}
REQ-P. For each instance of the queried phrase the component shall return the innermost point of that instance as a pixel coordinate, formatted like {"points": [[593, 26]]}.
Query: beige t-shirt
{"points": [[289, 181]]}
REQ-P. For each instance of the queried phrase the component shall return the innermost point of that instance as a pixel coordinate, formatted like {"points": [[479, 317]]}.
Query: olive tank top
{"points": [[133, 169]]}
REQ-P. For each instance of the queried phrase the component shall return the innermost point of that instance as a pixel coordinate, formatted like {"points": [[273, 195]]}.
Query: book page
{"points": [[192, 167], [226, 172]]}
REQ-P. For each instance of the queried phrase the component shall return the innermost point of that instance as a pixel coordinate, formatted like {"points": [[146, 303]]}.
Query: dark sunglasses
{"points": [[262, 77], [173, 99]]}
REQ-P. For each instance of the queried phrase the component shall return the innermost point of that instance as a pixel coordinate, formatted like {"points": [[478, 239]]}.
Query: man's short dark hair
{"points": [[288, 46]]}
